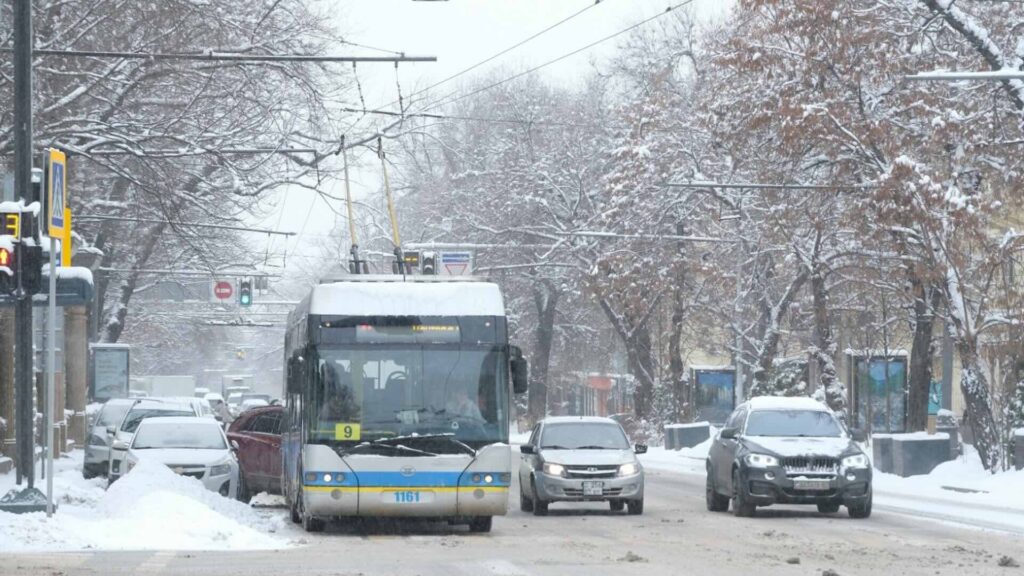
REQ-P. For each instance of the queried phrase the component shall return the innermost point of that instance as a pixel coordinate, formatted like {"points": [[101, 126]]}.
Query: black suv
{"points": [[787, 451]]}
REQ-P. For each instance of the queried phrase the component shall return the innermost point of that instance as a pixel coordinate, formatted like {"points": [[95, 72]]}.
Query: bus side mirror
{"points": [[520, 371], [294, 378]]}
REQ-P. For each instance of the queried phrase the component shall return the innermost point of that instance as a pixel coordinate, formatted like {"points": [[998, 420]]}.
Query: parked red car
{"points": [[258, 435]]}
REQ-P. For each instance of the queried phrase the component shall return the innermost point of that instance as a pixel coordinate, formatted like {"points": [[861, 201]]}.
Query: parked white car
{"points": [[101, 434], [195, 447], [141, 410]]}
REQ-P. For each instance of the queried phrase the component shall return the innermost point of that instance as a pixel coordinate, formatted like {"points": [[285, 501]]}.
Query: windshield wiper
{"points": [[597, 448], [442, 436], [375, 445], [554, 447]]}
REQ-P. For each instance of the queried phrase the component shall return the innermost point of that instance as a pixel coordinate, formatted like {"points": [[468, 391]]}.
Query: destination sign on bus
{"points": [[413, 333]]}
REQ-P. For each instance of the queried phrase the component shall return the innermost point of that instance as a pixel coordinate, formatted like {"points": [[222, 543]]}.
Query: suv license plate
{"points": [[593, 488], [815, 485]]}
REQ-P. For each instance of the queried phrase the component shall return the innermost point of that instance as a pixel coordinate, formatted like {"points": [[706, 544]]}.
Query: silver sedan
{"points": [[580, 459]]}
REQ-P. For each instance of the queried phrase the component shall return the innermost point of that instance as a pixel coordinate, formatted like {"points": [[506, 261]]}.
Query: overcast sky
{"points": [[460, 33]]}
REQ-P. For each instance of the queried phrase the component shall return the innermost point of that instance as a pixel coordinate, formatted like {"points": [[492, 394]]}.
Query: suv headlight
{"points": [[554, 469], [761, 461], [856, 461], [220, 469], [629, 469]]}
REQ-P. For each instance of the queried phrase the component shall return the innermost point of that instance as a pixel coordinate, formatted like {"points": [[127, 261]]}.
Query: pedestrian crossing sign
{"points": [[56, 194]]}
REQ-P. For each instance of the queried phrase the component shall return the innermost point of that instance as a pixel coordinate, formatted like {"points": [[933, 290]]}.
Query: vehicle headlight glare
{"points": [[328, 478], [628, 469], [554, 469], [488, 479], [220, 469], [856, 461], [761, 461]]}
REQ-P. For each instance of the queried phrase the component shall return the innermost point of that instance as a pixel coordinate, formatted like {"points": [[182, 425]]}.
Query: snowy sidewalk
{"points": [[149, 509]]}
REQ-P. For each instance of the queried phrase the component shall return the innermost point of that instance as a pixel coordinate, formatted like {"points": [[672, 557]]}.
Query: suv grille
{"points": [[591, 472], [810, 465]]}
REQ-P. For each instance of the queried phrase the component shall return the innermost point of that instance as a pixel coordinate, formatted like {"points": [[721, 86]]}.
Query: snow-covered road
{"points": [[676, 535]]}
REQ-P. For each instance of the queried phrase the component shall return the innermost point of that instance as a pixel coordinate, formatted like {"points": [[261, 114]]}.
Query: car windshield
{"points": [[136, 416], [584, 436], [799, 423], [374, 393], [112, 414], [179, 435]]}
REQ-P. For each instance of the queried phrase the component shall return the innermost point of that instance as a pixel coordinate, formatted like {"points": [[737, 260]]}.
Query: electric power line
{"points": [[449, 100]]}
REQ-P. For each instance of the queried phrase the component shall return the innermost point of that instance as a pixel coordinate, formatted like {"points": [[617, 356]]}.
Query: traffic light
{"points": [[245, 293], [428, 264], [31, 267], [7, 280]]}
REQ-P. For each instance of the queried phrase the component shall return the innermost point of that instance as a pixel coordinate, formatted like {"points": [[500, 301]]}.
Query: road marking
{"points": [[157, 562]]}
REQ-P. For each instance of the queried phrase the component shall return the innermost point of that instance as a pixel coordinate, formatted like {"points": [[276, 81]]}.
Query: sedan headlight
{"points": [[554, 469], [629, 469], [761, 461], [220, 469], [97, 440], [856, 461]]}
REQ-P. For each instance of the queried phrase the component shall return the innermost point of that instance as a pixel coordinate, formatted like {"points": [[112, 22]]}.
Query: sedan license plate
{"points": [[593, 488], [812, 485]]}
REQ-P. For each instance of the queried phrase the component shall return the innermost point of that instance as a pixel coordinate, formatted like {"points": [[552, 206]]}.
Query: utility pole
{"points": [[24, 371]]}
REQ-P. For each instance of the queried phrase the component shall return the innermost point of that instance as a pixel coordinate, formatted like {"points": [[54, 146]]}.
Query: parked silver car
{"points": [[140, 410], [97, 446], [580, 459], [195, 447]]}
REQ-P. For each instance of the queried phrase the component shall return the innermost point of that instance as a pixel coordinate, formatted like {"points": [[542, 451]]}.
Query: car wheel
{"points": [[636, 507], [741, 505], [828, 507], [861, 510], [617, 505], [540, 507], [525, 503], [242, 493], [480, 524], [715, 501], [309, 523]]}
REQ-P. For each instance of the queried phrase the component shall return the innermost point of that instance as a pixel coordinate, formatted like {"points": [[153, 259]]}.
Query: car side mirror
{"points": [[858, 435], [640, 449], [527, 449], [520, 370], [234, 446], [119, 445], [730, 433]]}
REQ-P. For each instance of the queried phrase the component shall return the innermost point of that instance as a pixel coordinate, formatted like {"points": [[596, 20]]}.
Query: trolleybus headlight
{"points": [[328, 478], [488, 479], [310, 477], [476, 478]]}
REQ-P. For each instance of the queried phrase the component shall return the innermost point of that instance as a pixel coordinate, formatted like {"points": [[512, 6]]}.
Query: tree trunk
{"points": [[641, 366], [771, 318], [974, 386], [545, 298], [921, 353], [824, 347], [116, 319], [682, 403]]}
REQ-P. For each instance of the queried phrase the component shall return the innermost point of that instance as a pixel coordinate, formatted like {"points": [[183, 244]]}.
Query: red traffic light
{"points": [[6, 258]]}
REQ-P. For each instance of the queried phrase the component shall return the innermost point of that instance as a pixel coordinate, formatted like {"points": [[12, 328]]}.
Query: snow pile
{"points": [[684, 461], [151, 508]]}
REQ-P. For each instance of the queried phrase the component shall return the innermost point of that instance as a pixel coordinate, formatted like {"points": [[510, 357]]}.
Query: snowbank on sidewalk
{"points": [[151, 508], [683, 461], [964, 480]]}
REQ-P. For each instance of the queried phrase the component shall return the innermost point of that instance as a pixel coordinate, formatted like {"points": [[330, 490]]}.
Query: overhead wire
{"points": [[448, 99], [498, 54]]}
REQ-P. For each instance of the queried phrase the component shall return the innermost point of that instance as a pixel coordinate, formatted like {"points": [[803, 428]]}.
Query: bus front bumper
{"points": [[419, 502]]}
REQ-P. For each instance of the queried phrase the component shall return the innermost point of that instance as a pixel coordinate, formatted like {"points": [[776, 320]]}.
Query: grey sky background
{"points": [[459, 33]]}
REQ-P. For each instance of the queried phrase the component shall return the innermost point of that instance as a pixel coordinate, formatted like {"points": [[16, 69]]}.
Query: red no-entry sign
{"points": [[223, 290]]}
